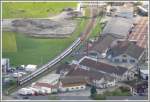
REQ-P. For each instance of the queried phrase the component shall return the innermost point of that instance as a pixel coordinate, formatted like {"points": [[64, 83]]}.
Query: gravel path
{"points": [[57, 26]]}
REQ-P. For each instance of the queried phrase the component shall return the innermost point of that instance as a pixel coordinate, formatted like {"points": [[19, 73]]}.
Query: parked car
{"points": [[11, 70]]}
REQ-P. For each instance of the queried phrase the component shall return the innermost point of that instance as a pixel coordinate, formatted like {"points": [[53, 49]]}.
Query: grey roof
{"points": [[91, 75], [126, 12], [101, 66], [128, 15], [126, 47], [64, 67], [118, 26], [103, 43]]}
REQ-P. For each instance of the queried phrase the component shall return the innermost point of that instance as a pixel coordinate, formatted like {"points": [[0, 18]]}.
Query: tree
{"points": [[139, 74], [93, 91]]}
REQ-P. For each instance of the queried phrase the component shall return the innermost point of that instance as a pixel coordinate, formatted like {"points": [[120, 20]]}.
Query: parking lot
{"points": [[81, 94]]}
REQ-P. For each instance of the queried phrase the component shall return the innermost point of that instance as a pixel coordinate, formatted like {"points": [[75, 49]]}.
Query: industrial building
{"points": [[100, 47], [52, 79], [5, 65], [119, 72], [72, 83], [118, 26], [125, 52]]}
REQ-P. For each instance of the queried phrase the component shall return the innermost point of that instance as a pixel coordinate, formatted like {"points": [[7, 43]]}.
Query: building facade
{"points": [[5, 65]]}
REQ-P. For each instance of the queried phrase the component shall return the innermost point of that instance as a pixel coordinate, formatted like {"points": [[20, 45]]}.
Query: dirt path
{"points": [[90, 24]]}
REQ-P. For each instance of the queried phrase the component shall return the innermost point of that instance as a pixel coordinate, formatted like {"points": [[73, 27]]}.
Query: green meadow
{"points": [[22, 49], [34, 9], [9, 42]]}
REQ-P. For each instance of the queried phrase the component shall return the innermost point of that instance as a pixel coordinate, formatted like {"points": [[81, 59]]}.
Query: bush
{"points": [[124, 89], [93, 91]]}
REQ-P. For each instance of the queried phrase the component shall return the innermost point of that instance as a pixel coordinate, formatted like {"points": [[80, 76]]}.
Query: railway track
{"points": [[62, 55]]}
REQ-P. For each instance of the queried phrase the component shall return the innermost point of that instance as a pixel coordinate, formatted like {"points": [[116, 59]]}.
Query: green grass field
{"points": [[9, 42], [27, 50], [35, 50], [34, 9]]}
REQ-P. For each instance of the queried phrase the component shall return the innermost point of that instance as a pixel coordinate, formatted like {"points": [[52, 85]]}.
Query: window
{"points": [[76, 87], [124, 60], [132, 60], [116, 60]]}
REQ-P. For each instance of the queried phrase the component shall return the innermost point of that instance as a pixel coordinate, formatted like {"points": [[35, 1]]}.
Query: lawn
{"points": [[36, 50], [121, 91], [27, 50], [34, 9], [9, 42]]}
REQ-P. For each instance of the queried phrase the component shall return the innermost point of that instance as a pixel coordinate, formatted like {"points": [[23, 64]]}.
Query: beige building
{"points": [[72, 84]]}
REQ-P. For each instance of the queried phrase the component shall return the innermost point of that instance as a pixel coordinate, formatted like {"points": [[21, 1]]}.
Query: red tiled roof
{"points": [[101, 66], [73, 81], [140, 32]]}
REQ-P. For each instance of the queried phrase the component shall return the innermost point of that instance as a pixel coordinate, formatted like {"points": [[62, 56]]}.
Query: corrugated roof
{"points": [[118, 26], [90, 75], [103, 43]]}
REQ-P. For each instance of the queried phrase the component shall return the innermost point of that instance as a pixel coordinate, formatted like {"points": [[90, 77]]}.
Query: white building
{"points": [[104, 82], [45, 88], [26, 91], [38, 88], [5, 64], [144, 74], [17, 75], [72, 84], [125, 52], [31, 68], [52, 79]]}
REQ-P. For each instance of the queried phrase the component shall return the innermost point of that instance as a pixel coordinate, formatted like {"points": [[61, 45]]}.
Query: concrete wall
{"points": [[73, 88]]}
